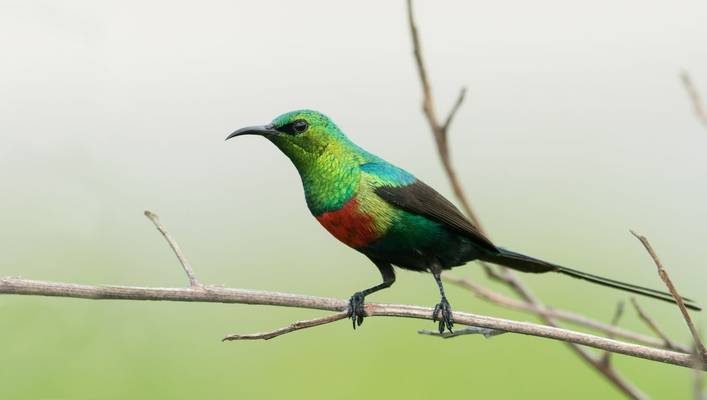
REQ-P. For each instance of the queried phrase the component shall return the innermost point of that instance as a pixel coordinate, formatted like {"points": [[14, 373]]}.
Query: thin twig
{"points": [[453, 111], [194, 283], [439, 130], [295, 326], [654, 327], [213, 294], [505, 276], [698, 377], [700, 111], [469, 330], [606, 357], [673, 291], [567, 316]]}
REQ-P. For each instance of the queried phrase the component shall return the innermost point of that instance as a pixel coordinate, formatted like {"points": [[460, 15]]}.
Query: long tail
{"points": [[524, 263]]}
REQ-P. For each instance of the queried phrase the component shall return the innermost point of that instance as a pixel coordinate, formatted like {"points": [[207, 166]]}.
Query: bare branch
{"points": [[175, 247], [700, 111], [295, 326], [506, 276], [214, 294], [469, 330], [453, 111], [574, 318], [654, 327], [606, 357], [678, 299], [698, 379], [439, 130]]}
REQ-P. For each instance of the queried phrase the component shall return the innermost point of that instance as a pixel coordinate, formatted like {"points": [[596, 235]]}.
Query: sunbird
{"points": [[390, 216]]}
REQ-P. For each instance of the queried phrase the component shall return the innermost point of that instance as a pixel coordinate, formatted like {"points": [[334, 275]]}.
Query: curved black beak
{"points": [[261, 130]]}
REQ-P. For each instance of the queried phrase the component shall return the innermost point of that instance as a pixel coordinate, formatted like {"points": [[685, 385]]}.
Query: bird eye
{"points": [[300, 126]]}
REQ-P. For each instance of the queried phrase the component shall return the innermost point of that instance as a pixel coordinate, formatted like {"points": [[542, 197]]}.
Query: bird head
{"points": [[303, 135]]}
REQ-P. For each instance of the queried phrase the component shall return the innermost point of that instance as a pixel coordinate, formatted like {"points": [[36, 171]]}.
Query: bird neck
{"points": [[330, 176]]}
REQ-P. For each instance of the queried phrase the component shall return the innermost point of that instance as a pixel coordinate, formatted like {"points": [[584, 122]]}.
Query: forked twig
{"points": [[439, 130]]}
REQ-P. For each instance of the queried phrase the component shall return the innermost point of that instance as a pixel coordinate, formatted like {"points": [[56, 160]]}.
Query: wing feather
{"points": [[416, 197]]}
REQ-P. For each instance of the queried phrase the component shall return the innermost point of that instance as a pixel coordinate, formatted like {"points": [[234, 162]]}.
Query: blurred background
{"points": [[575, 130]]}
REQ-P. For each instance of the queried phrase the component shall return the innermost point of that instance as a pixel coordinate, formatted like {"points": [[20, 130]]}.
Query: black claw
{"points": [[356, 309], [443, 314]]}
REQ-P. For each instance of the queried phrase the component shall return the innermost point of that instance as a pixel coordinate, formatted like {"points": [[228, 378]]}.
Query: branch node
{"points": [[453, 111]]}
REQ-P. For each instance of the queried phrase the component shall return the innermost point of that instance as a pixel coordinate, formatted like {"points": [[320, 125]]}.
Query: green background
{"points": [[576, 129]]}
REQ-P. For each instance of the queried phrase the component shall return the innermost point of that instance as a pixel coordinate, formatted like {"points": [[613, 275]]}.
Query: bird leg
{"points": [[442, 311], [356, 309]]}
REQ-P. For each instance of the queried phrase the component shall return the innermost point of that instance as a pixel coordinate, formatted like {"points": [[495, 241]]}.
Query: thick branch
{"points": [[248, 296]]}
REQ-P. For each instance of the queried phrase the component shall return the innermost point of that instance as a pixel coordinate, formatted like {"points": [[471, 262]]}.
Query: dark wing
{"points": [[418, 198]]}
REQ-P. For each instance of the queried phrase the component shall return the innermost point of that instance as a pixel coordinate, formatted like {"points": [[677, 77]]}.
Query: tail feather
{"points": [[524, 263]]}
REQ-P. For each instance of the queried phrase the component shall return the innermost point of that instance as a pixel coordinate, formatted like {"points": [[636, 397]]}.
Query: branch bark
{"points": [[213, 294]]}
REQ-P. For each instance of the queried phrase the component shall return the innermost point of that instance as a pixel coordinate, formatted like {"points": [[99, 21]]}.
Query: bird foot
{"points": [[443, 314], [356, 310]]}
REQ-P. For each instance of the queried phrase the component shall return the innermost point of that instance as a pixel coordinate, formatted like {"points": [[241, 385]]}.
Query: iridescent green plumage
{"points": [[389, 215]]}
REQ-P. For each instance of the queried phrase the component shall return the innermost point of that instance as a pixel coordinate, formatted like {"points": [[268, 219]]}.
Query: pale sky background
{"points": [[576, 128], [575, 121]]}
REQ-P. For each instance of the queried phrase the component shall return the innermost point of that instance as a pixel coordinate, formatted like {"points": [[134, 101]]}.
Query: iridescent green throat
{"points": [[330, 175]]}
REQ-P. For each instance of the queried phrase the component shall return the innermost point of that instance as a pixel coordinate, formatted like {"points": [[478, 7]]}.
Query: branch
{"points": [[439, 130], [678, 299], [654, 327], [213, 294], [568, 316], [698, 379], [506, 276], [175, 247], [606, 357], [694, 97], [469, 330], [295, 326]]}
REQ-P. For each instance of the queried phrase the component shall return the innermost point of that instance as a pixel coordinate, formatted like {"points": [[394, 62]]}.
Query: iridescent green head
{"points": [[303, 135]]}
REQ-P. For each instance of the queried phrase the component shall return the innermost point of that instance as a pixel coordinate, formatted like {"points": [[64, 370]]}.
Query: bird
{"points": [[390, 216]]}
